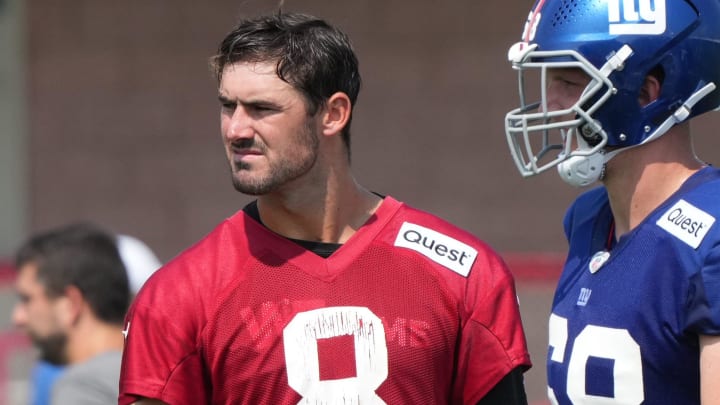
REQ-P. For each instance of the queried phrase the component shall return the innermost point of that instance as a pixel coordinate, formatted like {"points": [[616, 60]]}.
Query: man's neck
{"points": [[85, 343], [642, 178], [331, 215]]}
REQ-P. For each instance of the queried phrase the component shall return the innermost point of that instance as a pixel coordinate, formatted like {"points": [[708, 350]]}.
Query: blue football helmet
{"points": [[617, 43]]}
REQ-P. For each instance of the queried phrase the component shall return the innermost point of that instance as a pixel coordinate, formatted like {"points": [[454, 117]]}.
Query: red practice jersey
{"points": [[410, 310]]}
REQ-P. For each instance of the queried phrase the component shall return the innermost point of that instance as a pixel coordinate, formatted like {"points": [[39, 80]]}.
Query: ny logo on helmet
{"points": [[636, 17]]}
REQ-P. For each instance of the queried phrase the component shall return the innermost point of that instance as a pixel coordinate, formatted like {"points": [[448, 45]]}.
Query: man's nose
{"points": [[553, 101], [240, 125], [19, 315]]}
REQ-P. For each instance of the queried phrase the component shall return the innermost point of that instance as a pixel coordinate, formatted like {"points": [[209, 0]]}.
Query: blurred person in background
{"points": [[75, 284]]}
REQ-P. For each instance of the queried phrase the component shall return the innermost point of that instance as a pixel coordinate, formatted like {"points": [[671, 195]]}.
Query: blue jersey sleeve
{"points": [[703, 312]]}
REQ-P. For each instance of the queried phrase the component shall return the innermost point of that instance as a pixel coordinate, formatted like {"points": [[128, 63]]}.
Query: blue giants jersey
{"points": [[626, 316]]}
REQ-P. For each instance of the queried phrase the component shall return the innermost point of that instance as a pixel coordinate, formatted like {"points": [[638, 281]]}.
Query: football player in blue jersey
{"points": [[607, 90]]}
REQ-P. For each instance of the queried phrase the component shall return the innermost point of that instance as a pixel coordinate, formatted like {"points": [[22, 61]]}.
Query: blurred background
{"points": [[108, 113]]}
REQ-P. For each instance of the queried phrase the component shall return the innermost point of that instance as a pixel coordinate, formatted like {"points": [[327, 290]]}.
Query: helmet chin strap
{"points": [[580, 171]]}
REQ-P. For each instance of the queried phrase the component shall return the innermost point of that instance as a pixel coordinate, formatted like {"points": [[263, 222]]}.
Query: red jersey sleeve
{"points": [[162, 358], [492, 341]]}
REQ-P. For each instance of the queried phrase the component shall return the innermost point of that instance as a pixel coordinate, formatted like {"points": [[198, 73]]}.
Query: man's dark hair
{"points": [[312, 56], [84, 256]]}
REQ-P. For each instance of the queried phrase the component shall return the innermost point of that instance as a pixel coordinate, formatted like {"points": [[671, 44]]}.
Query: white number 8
{"points": [[598, 341], [301, 355]]}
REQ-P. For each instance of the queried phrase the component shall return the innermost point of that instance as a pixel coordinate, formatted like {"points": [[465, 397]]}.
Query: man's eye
{"points": [[261, 108], [568, 83]]}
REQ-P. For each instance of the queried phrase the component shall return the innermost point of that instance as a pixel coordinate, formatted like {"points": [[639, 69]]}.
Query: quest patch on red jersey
{"points": [[439, 248]]}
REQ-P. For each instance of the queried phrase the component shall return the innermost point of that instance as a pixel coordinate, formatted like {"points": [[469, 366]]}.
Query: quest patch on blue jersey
{"points": [[686, 222], [439, 248]]}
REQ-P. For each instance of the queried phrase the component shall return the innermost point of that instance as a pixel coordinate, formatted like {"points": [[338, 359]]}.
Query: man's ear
{"points": [[650, 90], [337, 113], [72, 305]]}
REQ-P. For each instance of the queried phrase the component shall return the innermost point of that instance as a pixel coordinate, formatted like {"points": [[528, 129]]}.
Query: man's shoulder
{"points": [[92, 381], [431, 220], [209, 266], [96, 367], [230, 232], [440, 239], [706, 192]]}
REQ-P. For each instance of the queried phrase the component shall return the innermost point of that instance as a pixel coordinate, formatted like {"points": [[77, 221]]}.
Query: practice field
{"points": [[535, 274]]}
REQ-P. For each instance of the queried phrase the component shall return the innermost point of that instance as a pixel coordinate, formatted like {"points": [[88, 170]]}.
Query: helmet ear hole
{"points": [[592, 140], [658, 72], [652, 86], [591, 133]]}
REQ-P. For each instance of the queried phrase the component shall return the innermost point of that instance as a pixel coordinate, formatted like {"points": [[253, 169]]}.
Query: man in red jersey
{"points": [[320, 291]]}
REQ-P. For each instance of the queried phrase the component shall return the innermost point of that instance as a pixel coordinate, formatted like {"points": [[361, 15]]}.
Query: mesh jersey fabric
{"points": [[626, 329], [248, 317]]}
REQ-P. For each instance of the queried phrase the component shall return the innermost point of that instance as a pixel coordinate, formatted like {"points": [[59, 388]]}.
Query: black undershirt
{"points": [[509, 391], [321, 249]]}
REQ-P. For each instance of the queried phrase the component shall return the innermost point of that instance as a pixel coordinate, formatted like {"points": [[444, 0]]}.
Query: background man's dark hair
{"points": [[312, 56], [84, 256]]}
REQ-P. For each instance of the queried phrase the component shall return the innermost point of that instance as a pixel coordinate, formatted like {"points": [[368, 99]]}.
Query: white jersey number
{"points": [[301, 355], [604, 342]]}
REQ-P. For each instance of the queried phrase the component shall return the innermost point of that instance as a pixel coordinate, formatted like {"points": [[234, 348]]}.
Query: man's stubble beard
{"points": [[281, 172], [52, 347]]}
